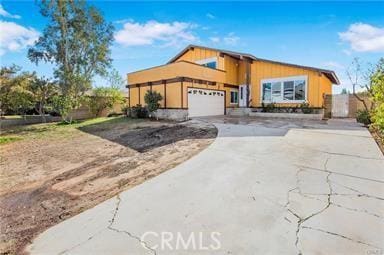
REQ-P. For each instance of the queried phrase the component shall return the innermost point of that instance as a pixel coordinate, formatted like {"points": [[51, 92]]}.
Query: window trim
{"points": [[282, 80], [230, 95], [207, 60]]}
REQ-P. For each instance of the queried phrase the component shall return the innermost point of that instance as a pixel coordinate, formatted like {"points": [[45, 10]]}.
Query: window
{"points": [[210, 65], [284, 90], [288, 90], [241, 93], [276, 91], [234, 95], [208, 62], [267, 91], [300, 90]]}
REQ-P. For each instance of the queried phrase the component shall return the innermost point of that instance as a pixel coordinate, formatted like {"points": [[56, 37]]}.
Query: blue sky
{"points": [[320, 34]]}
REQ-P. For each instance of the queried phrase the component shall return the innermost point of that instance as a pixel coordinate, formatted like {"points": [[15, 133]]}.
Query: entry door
{"points": [[242, 95]]}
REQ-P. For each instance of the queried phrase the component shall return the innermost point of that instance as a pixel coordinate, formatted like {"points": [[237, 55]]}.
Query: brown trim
{"points": [[139, 94], [150, 86], [181, 91], [242, 56], [129, 98], [173, 80], [231, 86], [165, 93]]}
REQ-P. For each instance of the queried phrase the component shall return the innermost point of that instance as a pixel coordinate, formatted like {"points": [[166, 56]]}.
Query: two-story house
{"points": [[202, 81]]}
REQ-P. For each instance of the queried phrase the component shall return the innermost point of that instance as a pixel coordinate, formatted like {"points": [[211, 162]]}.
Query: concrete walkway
{"points": [[263, 187]]}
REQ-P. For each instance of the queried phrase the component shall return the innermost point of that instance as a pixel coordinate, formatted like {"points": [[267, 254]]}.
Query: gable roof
{"points": [[331, 75]]}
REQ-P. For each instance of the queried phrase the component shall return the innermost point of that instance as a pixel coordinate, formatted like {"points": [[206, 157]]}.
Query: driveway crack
{"points": [[143, 243], [342, 236], [300, 219]]}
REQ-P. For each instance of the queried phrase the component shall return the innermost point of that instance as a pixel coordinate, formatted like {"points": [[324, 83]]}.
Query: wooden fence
{"points": [[343, 106]]}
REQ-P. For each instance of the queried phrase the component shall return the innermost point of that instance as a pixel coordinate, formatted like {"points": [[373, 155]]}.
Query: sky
{"points": [[320, 34]]}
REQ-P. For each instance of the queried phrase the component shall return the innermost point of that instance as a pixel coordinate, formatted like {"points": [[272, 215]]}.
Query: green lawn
{"points": [[60, 129]]}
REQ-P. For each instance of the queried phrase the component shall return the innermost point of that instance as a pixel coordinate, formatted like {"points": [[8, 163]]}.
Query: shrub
{"points": [[269, 107], [363, 116], [139, 111], [104, 98], [305, 108], [152, 99], [378, 117]]}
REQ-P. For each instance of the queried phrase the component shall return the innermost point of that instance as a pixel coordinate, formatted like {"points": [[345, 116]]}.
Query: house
{"points": [[202, 81]]}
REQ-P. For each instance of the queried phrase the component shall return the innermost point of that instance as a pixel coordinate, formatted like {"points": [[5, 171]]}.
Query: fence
{"points": [[343, 106], [81, 113]]}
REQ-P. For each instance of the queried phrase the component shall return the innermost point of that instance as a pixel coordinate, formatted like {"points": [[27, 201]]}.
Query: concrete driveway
{"points": [[263, 187]]}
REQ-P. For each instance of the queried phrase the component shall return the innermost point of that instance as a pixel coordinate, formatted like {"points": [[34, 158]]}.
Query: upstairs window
{"points": [[284, 90], [208, 62]]}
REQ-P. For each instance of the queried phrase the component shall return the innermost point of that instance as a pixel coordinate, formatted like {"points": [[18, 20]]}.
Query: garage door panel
{"points": [[202, 102]]}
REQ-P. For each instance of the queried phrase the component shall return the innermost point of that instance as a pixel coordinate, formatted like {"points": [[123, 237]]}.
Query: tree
{"points": [[43, 90], [344, 91], [359, 78], [15, 91], [377, 84], [152, 99], [63, 105], [115, 80], [104, 98], [77, 41]]}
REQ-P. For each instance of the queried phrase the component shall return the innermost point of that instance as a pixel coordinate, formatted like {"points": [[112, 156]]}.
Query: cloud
{"points": [[14, 37], [230, 39], [168, 34], [333, 65], [210, 16], [6, 14], [364, 37], [214, 39]]}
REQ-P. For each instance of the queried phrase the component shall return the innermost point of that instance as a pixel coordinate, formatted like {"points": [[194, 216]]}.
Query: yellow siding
{"points": [[174, 93], [174, 70], [232, 70], [234, 73], [264, 70], [200, 54]]}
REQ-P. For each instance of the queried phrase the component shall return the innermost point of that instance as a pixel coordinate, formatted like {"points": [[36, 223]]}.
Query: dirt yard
{"points": [[51, 172]]}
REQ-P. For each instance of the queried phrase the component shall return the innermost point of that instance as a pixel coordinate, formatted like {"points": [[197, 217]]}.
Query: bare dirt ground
{"points": [[55, 172]]}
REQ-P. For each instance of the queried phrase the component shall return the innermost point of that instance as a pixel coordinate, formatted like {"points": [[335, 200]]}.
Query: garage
{"points": [[205, 102]]}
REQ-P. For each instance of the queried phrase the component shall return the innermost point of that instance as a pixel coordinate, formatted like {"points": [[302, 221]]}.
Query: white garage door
{"points": [[204, 102]]}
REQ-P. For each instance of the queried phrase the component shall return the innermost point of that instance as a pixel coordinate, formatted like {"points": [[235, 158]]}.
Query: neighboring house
{"points": [[202, 81]]}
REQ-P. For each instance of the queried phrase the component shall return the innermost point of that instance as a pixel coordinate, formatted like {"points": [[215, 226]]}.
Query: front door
{"points": [[243, 96]]}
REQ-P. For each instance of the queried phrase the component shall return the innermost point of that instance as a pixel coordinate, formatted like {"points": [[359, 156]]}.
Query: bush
{"points": [[152, 99], [269, 107], [378, 117], [363, 116], [139, 111], [305, 108]]}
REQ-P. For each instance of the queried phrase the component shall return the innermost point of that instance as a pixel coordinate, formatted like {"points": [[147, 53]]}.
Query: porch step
{"points": [[238, 112]]}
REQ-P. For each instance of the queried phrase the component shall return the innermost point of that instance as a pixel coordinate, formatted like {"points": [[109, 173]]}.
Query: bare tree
{"points": [[360, 78]]}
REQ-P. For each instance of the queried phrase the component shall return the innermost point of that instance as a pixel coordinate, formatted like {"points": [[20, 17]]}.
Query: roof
{"points": [[331, 75]]}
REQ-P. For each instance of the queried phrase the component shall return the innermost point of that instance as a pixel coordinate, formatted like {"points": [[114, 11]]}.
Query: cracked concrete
{"points": [[268, 187]]}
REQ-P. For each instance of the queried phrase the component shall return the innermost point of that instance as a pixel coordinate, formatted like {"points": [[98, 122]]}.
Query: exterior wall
{"points": [[200, 54], [318, 85], [173, 94], [234, 74]]}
